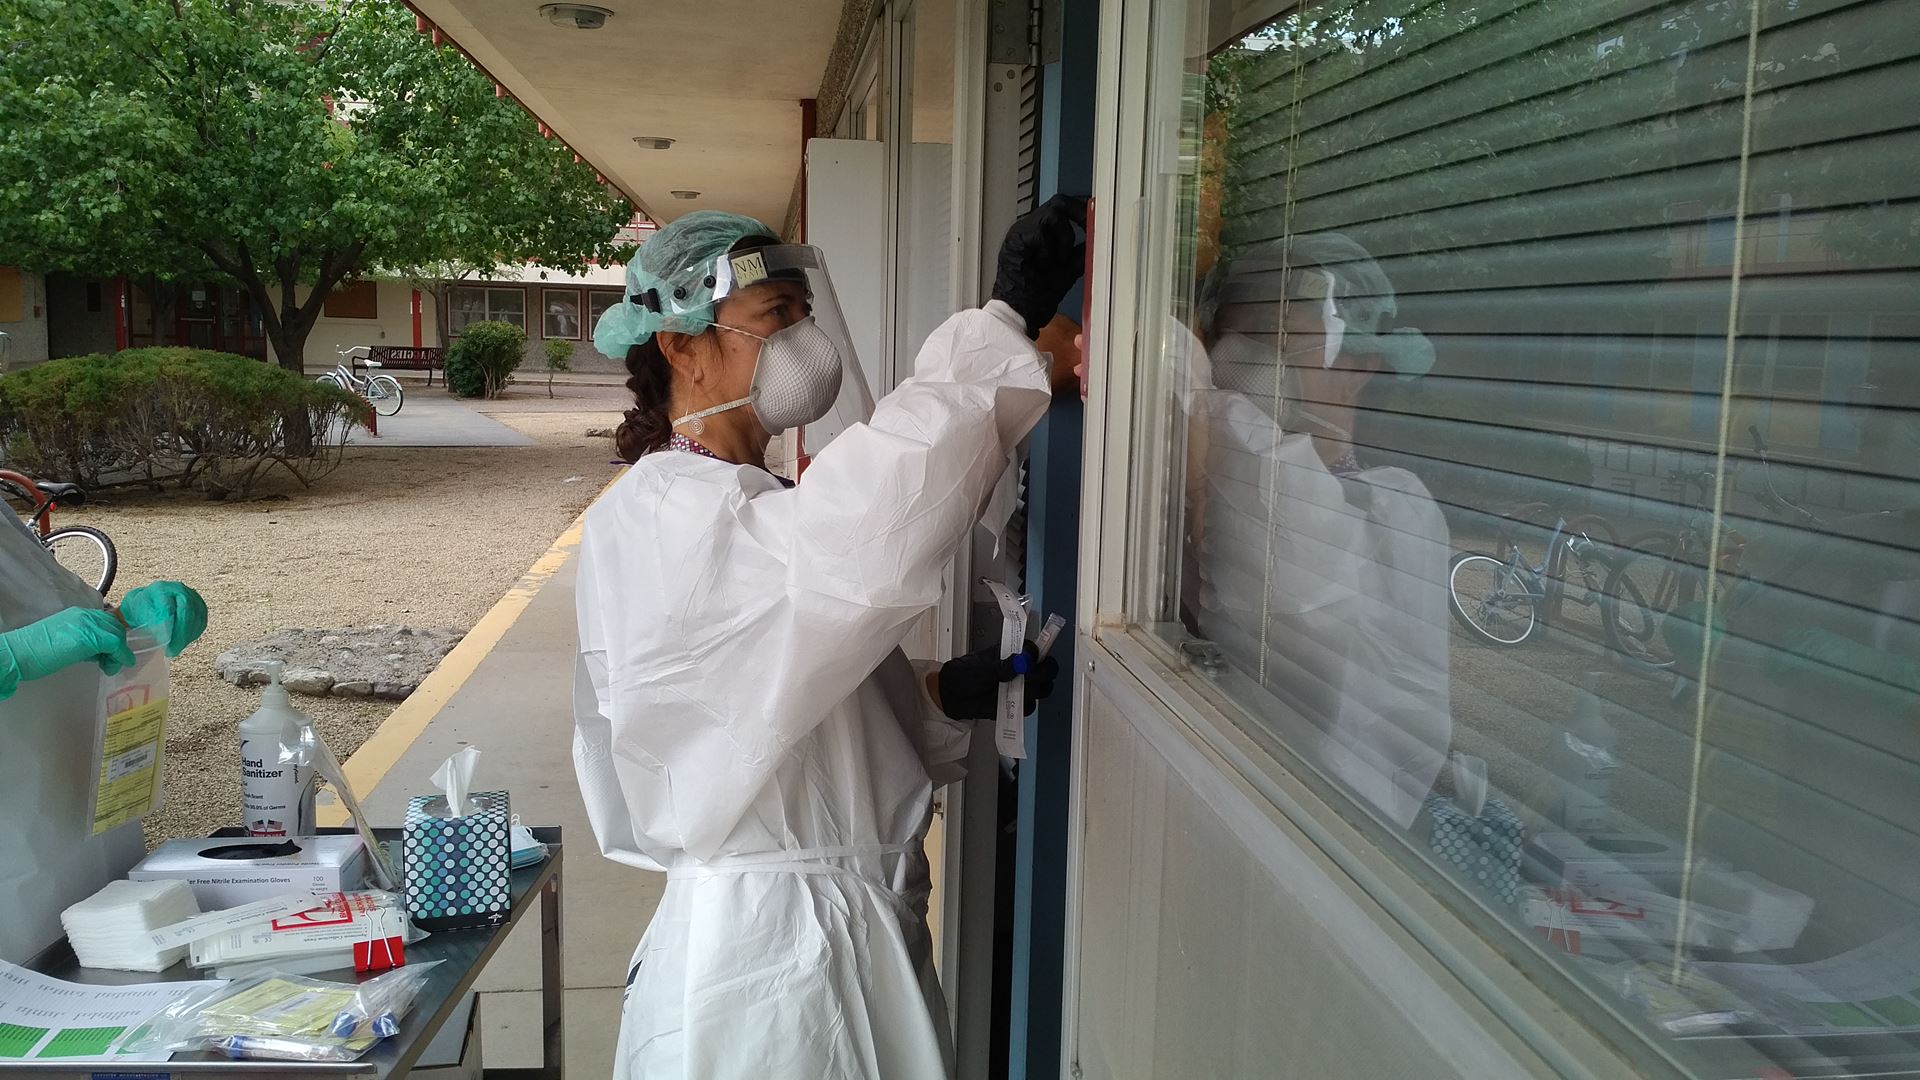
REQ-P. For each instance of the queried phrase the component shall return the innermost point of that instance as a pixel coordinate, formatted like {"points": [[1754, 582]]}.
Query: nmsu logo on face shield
{"points": [[749, 268]]}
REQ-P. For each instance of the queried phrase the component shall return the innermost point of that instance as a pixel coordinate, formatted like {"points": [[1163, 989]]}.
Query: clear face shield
{"points": [[807, 377], [1303, 328]]}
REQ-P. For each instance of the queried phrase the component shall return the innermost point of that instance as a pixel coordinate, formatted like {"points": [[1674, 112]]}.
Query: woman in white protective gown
{"points": [[745, 720], [1320, 575]]}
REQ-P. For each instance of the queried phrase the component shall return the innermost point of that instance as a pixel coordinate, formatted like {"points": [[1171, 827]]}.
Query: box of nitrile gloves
{"points": [[456, 869]]}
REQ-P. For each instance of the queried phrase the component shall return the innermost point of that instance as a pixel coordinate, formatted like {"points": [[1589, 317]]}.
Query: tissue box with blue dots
{"points": [[457, 869]]}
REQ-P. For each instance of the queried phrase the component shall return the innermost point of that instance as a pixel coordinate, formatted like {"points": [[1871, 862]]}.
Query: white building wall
{"points": [[393, 325], [1216, 940]]}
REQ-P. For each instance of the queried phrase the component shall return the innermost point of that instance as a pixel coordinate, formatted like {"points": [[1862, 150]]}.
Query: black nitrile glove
{"points": [[970, 684], [1040, 260]]}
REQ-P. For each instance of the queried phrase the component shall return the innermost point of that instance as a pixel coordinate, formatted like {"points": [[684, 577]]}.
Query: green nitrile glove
{"points": [[60, 640], [173, 613]]}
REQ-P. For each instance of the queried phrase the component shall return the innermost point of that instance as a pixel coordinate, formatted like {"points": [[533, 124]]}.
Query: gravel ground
{"points": [[399, 536], [1511, 704]]}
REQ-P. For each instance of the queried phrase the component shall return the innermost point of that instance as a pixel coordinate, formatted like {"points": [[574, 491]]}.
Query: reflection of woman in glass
{"points": [[1320, 576], [563, 317]]}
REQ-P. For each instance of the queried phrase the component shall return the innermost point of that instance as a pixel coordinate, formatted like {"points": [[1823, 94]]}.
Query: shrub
{"points": [[481, 363], [207, 420], [559, 353]]}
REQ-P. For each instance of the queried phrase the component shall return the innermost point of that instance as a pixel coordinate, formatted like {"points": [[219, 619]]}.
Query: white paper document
{"points": [[1875, 987], [43, 1018]]}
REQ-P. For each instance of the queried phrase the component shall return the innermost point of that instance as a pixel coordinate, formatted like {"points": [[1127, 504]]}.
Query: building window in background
{"points": [[472, 303], [560, 310], [353, 300], [1541, 386], [597, 305]]}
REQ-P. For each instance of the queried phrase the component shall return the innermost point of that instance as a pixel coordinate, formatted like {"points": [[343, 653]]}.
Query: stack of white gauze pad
{"points": [[114, 927]]}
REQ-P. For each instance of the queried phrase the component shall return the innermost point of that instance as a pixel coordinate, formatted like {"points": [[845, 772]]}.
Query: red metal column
{"points": [[122, 313], [416, 320]]}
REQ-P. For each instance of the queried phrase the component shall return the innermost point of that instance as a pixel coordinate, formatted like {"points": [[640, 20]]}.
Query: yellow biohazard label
{"points": [[130, 766], [280, 1007], [749, 268]]}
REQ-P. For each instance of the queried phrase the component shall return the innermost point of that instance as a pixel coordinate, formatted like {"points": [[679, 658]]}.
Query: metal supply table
{"points": [[465, 953]]}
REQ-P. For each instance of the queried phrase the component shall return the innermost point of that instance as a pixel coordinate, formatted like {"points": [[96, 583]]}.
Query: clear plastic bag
{"points": [[274, 1017], [1682, 1002], [130, 740], [313, 754]]}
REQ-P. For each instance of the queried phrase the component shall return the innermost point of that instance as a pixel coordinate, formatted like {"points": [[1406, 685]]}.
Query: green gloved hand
{"points": [[60, 640], [172, 612]]}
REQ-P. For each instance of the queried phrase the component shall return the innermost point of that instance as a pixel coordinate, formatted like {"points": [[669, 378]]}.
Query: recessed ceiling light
{"points": [[653, 142], [684, 194], [576, 16]]}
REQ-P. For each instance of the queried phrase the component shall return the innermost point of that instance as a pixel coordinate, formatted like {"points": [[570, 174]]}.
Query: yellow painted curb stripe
{"points": [[376, 757]]}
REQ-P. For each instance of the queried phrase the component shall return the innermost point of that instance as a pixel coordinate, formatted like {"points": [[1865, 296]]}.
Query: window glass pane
{"points": [[465, 305], [1503, 346], [503, 301], [508, 306], [562, 310], [597, 305], [925, 230]]}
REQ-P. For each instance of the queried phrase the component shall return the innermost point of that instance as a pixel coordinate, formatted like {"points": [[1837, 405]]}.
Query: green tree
{"points": [[274, 145], [559, 357]]}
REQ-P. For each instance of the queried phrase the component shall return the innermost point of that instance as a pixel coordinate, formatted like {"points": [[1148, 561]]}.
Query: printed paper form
{"points": [[1873, 987], [44, 1018]]}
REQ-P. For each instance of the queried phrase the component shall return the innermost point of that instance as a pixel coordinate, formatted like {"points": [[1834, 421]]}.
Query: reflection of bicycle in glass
{"points": [[1665, 573], [380, 391], [1504, 600]]}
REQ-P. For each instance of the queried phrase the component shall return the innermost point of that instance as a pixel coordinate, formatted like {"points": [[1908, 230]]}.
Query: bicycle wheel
{"points": [[1488, 598], [384, 394], [1649, 582], [331, 380], [88, 553]]}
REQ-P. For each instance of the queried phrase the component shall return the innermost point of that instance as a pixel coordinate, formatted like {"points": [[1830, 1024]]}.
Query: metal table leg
{"points": [[552, 982]]}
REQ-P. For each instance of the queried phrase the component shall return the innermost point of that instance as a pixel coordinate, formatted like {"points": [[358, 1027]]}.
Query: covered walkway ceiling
{"points": [[723, 78]]}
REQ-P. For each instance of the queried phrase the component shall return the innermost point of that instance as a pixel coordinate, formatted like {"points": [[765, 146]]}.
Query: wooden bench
{"points": [[426, 358]]}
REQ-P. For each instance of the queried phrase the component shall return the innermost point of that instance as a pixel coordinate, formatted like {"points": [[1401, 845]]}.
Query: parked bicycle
{"points": [[1505, 599], [87, 552], [1662, 573], [381, 391]]}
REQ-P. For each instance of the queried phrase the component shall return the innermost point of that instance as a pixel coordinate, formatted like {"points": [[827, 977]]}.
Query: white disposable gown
{"points": [[747, 723], [49, 858], [1328, 590]]}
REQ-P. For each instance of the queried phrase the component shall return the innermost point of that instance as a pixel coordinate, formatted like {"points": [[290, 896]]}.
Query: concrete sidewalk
{"points": [[433, 418], [509, 691]]}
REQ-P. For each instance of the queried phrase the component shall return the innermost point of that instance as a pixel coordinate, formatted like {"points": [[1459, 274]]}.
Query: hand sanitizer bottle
{"points": [[276, 797]]}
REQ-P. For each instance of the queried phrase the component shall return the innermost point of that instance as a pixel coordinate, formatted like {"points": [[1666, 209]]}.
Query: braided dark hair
{"points": [[647, 426]]}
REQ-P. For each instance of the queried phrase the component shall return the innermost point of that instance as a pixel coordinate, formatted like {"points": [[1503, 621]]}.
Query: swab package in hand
{"points": [[130, 743]]}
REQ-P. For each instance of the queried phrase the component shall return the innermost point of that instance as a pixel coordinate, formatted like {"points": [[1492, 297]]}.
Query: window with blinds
{"points": [[1543, 382]]}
